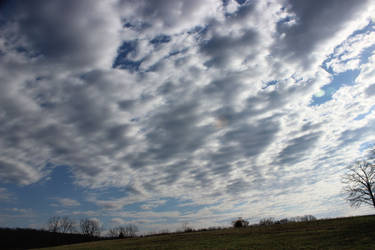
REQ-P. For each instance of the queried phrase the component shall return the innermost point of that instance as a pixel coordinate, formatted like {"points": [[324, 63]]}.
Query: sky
{"points": [[166, 112]]}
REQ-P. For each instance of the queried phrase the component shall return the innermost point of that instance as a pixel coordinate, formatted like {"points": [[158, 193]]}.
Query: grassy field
{"points": [[343, 233]]}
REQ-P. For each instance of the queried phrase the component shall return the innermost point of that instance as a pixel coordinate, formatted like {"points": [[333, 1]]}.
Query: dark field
{"points": [[342, 233]]}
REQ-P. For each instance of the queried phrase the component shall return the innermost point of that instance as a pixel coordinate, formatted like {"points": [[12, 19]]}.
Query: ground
{"points": [[342, 233]]}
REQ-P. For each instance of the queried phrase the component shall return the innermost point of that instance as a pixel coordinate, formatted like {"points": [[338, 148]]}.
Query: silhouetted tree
{"points": [[66, 225], [54, 224], [114, 232], [308, 217], [240, 222], [186, 228], [129, 230], [121, 235], [360, 183], [267, 221], [90, 227], [59, 224], [302, 218]]}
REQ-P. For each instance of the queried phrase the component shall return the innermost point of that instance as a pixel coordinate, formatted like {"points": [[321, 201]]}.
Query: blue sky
{"points": [[161, 113]]}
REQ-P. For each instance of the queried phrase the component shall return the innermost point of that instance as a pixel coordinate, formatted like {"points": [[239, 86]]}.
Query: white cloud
{"points": [[86, 213], [153, 204], [18, 172], [347, 55], [118, 221], [67, 202]]}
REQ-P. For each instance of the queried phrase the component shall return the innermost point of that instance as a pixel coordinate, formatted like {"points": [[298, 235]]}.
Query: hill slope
{"points": [[342, 233]]}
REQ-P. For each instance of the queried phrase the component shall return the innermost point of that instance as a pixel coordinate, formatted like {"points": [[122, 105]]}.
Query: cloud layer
{"points": [[206, 101]]}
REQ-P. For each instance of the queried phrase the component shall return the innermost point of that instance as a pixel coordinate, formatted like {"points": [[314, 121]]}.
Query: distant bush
{"points": [[121, 235], [240, 222]]}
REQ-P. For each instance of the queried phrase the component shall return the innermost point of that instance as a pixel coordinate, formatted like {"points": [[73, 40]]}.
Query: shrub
{"points": [[121, 235], [240, 222]]}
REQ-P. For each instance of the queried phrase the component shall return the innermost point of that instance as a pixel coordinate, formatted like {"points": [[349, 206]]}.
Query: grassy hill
{"points": [[342, 233]]}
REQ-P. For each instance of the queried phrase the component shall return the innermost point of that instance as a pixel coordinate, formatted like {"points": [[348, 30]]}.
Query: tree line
{"points": [[89, 227], [240, 222]]}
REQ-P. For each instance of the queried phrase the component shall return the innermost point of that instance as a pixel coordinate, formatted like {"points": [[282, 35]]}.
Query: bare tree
{"points": [[267, 221], [360, 183], [54, 224], [129, 230], [90, 227], [59, 224], [114, 232], [66, 225], [186, 228]]}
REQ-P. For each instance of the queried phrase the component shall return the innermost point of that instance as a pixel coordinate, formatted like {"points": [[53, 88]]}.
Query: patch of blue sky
{"points": [[199, 30], [135, 25], [170, 204], [269, 83], [363, 115], [284, 21], [366, 53], [368, 28], [240, 204], [176, 52], [156, 66], [121, 61], [42, 196], [111, 193], [326, 92], [225, 2], [344, 78], [161, 39], [241, 1]]}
